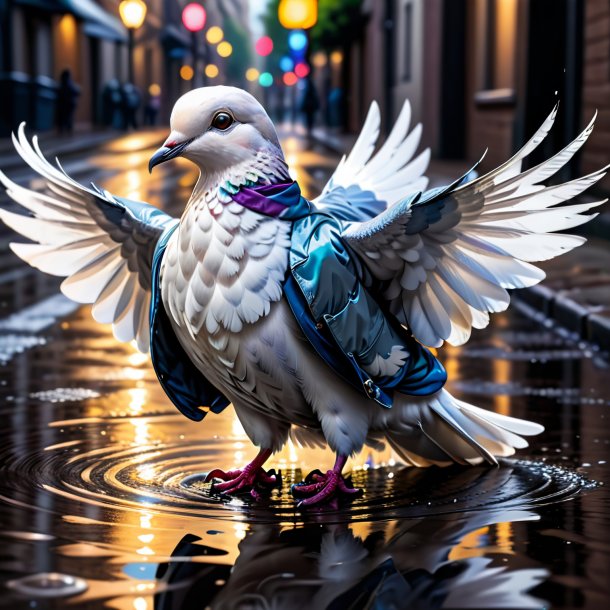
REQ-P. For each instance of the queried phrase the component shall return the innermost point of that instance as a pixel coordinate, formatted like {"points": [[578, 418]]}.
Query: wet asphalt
{"points": [[100, 477]]}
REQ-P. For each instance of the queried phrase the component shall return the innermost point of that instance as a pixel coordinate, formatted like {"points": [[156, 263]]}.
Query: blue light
{"points": [[297, 40], [286, 64]]}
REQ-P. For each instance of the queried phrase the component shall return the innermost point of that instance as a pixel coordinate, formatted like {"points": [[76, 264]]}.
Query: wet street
{"points": [[101, 478]]}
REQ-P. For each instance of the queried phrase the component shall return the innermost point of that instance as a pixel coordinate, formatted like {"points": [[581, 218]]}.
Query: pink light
{"points": [[290, 78], [264, 46], [193, 17], [301, 70]]}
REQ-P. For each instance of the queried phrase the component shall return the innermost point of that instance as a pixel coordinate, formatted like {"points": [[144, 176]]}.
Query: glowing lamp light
{"points": [[265, 79], [302, 70], [290, 78], [154, 90], [297, 40], [298, 14], [186, 72], [252, 74], [211, 71], [264, 46], [193, 17], [224, 49], [214, 34], [133, 13], [336, 57], [319, 59]]}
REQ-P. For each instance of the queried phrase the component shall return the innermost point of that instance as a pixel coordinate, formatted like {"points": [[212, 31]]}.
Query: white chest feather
{"points": [[223, 269]]}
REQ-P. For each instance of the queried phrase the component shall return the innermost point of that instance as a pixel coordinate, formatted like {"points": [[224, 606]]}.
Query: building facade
{"points": [[485, 73], [41, 38]]}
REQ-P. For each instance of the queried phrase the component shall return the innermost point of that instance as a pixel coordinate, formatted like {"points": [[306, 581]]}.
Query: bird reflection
{"points": [[441, 561]]}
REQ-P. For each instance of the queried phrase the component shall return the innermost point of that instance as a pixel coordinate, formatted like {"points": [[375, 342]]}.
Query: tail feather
{"points": [[455, 431]]}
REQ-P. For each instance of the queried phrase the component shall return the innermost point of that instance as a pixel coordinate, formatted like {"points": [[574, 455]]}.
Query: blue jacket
{"points": [[342, 321]]}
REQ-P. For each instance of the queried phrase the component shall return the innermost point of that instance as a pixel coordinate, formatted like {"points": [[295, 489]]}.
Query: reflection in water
{"points": [[401, 564]]}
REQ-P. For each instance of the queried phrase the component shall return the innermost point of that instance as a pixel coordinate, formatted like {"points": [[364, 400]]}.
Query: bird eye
{"points": [[222, 121]]}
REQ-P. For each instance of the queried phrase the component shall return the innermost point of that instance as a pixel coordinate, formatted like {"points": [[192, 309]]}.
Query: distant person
{"points": [[335, 104], [130, 105], [153, 105], [310, 103], [67, 100], [112, 113]]}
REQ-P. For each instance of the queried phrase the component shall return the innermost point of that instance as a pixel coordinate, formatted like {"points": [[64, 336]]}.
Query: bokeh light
{"points": [[211, 71], [154, 90], [264, 46], [294, 14], [186, 72], [302, 70], [290, 78], [286, 64], [224, 49], [297, 40], [265, 79], [319, 59], [133, 13], [193, 17], [252, 74], [214, 34], [336, 57]]}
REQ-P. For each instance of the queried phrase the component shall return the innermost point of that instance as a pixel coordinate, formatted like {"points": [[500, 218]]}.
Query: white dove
{"points": [[309, 317]]}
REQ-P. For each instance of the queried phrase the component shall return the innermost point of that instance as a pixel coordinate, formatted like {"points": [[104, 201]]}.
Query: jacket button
{"points": [[319, 326], [371, 389]]}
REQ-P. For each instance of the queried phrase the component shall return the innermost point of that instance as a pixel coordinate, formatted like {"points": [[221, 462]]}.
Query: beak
{"points": [[169, 151]]}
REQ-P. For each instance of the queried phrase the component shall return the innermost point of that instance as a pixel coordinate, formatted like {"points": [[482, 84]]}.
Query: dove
{"points": [[313, 319]]}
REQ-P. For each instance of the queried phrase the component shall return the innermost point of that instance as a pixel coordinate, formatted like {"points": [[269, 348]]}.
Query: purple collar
{"points": [[282, 200]]}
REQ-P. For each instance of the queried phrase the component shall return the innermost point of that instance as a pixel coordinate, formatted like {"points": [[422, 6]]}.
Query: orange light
{"points": [[290, 78], [214, 34], [224, 49], [298, 14], [186, 73], [336, 57], [252, 74], [319, 59], [211, 71]]}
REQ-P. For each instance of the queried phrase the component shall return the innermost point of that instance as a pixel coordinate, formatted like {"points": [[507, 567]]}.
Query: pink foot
{"points": [[325, 489], [252, 478]]}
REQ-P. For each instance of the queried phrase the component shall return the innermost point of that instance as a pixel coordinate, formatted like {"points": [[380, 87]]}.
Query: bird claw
{"points": [[249, 479], [324, 489]]}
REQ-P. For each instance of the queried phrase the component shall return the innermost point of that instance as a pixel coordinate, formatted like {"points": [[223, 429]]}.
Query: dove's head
{"points": [[217, 128]]}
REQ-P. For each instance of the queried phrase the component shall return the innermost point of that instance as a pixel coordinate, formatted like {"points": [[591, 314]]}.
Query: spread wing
{"points": [[364, 185], [445, 259], [102, 244]]}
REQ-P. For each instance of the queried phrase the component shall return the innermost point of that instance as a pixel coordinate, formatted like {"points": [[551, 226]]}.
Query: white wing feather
{"points": [[364, 184], [101, 244], [446, 261]]}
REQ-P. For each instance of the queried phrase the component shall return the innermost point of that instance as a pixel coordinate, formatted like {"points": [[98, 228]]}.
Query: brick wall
{"points": [[596, 85]]}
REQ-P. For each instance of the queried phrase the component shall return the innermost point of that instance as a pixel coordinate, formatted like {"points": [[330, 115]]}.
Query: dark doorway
{"points": [[452, 134], [94, 79], [553, 72]]}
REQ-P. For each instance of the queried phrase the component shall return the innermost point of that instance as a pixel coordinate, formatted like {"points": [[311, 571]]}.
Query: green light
{"points": [[265, 79]]}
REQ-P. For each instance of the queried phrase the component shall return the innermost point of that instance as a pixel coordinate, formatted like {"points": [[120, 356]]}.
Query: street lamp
{"points": [[133, 13], [298, 14], [194, 18]]}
